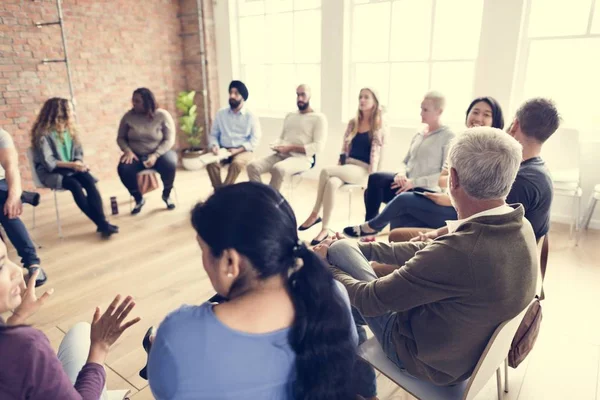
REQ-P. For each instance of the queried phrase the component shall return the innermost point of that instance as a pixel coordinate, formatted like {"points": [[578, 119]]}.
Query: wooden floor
{"points": [[156, 259]]}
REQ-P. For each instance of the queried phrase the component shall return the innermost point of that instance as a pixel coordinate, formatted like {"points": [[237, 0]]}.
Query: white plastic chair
{"points": [[587, 216], [350, 188], [39, 185], [561, 153], [151, 171], [494, 355]]}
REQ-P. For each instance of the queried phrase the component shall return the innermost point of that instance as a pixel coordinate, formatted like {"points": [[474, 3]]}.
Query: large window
{"points": [[562, 57], [279, 44], [404, 48]]}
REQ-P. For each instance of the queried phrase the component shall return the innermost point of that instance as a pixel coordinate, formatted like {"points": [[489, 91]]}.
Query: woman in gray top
{"points": [[146, 136], [58, 158]]}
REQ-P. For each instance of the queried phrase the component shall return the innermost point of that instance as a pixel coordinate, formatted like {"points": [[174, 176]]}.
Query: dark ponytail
{"points": [[257, 222]]}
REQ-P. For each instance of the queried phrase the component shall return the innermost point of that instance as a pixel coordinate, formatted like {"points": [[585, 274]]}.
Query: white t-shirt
{"points": [[6, 142]]}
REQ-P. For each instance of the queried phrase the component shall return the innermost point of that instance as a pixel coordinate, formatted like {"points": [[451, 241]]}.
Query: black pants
{"points": [[378, 191], [17, 232], [166, 165], [90, 201]]}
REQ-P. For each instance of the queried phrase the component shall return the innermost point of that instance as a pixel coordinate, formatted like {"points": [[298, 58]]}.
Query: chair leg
{"points": [[349, 207], [176, 195], [506, 375], [58, 224], [499, 383], [589, 211]]}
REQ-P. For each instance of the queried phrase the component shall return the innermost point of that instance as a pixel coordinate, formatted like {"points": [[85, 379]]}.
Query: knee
{"points": [[169, 159], [338, 252], [278, 171], [80, 328], [253, 168], [375, 179]]}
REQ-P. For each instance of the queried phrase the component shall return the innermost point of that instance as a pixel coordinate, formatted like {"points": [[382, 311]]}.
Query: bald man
{"points": [[303, 136]]}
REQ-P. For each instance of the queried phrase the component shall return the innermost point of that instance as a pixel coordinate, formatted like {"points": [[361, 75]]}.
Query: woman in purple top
{"points": [[29, 368]]}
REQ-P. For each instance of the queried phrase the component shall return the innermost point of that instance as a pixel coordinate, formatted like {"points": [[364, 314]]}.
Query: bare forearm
{"points": [[13, 180], [297, 149], [97, 354], [237, 151]]}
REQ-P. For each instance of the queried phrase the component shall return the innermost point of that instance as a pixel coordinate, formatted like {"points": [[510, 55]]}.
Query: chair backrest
{"points": [[34, 175], [494, 354], [561, 152]]}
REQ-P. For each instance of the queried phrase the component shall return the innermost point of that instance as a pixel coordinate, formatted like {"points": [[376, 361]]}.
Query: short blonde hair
{"points": [[438, 99]]}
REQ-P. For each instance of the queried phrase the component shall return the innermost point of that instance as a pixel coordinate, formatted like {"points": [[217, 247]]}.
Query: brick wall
{"points": [[114, 47]]}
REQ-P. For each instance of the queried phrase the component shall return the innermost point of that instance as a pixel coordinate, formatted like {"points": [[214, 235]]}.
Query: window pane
{"points": [[277, 6], [408, 84], [371, 32], [455, 81], [456, 33], [596, 20], [281, 87], [307, 36], [310, 74], [558, 17], [252, 37], [306, 4], [411, 30], [374, 76], [280, 38], [251, 7], [576, 96], [255, 77]]}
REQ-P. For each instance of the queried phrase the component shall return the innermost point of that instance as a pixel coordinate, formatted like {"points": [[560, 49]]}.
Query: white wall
{"points": [[495, 76]]}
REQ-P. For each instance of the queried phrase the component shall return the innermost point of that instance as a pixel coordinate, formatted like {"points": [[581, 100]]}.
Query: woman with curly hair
{"points": [[58, 157]]}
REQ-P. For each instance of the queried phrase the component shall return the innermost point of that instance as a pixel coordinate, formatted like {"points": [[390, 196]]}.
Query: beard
{"points": [[233, 103], [302, 106]]}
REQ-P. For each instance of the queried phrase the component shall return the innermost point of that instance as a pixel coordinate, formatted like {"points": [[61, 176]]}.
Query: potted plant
{"points": [[193, 133]]}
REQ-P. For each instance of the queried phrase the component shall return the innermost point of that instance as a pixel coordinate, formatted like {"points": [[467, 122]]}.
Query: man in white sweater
{"points": [[303, 136]]}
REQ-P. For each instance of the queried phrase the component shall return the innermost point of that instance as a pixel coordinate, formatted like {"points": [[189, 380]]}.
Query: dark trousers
{"points": [[82, 186], [166, 165], [378, 191], [17, 232]]}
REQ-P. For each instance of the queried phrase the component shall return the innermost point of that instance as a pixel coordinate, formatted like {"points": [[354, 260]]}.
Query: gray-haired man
{"points": [[435, 313]]}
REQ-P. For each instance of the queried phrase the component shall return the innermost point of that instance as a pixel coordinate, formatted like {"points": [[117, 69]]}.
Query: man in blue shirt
{"points": [[236, 129]]}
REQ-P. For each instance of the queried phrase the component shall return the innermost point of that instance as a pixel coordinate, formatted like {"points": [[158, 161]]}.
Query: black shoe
{"points": [[32, 198], [114, 228], [357, 232], [316, 242], [41, 278], [146, 345], [169, 203], [303, 228], [138, 206]]}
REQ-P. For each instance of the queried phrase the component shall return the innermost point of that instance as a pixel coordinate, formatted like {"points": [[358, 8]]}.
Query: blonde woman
{"points": [[58, 157], [361, 152]]}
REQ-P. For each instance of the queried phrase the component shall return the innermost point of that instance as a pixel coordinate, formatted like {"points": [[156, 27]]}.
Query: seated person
{"points": [[304, 135], [361, 153], [423, 163], [29, 367], [284, 315], [10, 202], [58, 157], [422, 208], [236, 129], [434, 315], [535, 121], [146, 137]]}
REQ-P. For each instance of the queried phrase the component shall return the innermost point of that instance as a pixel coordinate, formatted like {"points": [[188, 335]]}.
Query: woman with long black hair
{"points": [[284, 333]]}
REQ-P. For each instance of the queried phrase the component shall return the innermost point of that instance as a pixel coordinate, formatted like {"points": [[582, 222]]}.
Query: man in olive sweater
{"points": [[434, 315]]}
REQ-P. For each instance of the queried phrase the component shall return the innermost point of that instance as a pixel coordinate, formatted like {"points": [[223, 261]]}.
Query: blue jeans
{"points": [[16, 231], [346, 256], [411, 210]]}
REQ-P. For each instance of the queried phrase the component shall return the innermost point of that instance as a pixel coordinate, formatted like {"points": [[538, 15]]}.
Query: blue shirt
{"points": [[231, 129], [196, 356]]}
